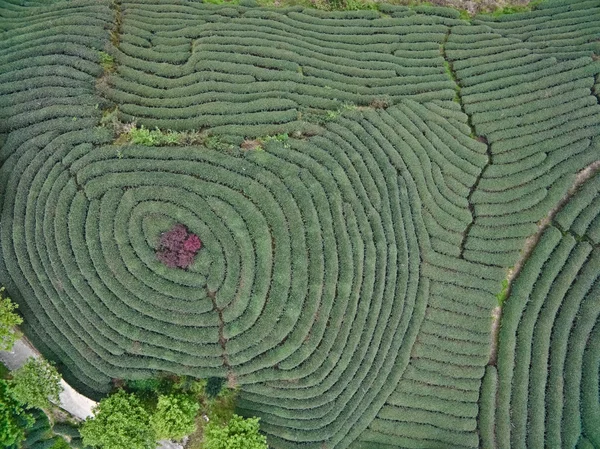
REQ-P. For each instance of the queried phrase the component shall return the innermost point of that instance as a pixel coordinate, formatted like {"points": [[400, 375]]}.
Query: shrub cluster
{"points": [[178, 247]]}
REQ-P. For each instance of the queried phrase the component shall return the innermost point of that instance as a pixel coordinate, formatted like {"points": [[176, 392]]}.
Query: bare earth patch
{"points": [[496, 313], [475, 6]]}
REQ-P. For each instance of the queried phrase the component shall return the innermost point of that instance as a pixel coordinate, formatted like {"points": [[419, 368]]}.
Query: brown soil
{"points": [[473, 6], [250, 144], [496, 313]]}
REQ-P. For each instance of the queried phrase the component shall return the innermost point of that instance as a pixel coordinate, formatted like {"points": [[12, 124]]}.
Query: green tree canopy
{"points": [[120, 422], [36, 383], [13, 418], [8, 320], [239, 433], [174, 417]]}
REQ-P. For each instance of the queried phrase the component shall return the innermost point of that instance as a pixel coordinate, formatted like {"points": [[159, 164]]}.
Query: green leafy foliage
{"points": [[70, 433], [350, 5], [119, 422], [107, 62], [41, 434], [8, 320], [239, 433], [503, 293], [3, 371], [60, 443], [131, 134], [36, 383], [143, 136], [13, 418], [174, 416], [513, 9]]}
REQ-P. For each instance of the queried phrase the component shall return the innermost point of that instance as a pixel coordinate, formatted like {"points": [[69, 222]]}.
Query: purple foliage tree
{"points": [[178, 247]]}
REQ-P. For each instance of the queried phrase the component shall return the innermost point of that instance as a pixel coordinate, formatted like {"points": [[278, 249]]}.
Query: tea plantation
{"points": [[367, 188]]}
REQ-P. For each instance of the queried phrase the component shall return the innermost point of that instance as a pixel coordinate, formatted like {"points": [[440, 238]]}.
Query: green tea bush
{"points": [[349, 270]]}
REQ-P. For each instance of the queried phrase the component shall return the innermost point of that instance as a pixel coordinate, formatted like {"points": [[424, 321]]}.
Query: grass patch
{"points": [[153, 138], [222, 2], [352, 5], [107, 61], [281, 138], [131, 134], [502, 11], [516, 9], [501, 297]]}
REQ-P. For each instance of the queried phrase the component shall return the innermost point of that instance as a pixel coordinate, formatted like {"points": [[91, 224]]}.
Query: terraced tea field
{"points": [[371, 186]]}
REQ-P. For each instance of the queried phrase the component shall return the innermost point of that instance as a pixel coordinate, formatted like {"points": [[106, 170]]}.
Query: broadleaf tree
{"points": [[174, 417], [36, 383], [8, 320], [14, 419], [120, 421], [239, 433]]}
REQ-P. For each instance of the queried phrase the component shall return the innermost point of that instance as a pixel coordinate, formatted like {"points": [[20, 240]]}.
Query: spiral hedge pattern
{"points": [[349, 276]]}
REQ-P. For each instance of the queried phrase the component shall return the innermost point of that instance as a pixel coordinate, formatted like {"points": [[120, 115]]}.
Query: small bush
{"points": [[214, 386]]}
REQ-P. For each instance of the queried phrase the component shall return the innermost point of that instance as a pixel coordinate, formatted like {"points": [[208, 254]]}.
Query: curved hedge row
{"points": [[414, 129], [436, 401], [547, 378], [49, 64], [49, 61], [541, 122], [347, 280], [564, 29], [179, 67], [314, 315]]}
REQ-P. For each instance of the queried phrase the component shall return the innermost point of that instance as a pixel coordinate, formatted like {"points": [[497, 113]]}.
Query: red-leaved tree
{"points": [[178, 247]]}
